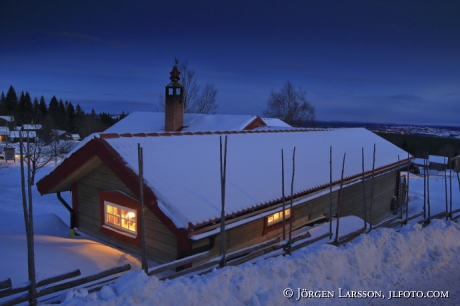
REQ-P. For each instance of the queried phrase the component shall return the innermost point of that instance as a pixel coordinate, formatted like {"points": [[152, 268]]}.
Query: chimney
{"points": [[174, 106]]}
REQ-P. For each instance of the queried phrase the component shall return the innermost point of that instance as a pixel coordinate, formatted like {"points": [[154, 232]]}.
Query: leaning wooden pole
{"points": [[372, 191], [339, 203], [428, 190], [282, 193], [140, 157], [424, 187], [407, 192], [29, 227], [450, 183], [288, 248], [330, 192], [223, 174], [445, 188], [364, 191], [30, 238]]}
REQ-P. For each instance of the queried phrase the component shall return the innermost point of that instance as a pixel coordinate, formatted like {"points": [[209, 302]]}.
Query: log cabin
{"points": [[182, 182]]}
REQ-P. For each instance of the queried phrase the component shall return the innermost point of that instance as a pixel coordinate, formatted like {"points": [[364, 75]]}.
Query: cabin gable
{"points": [[100, 185]]}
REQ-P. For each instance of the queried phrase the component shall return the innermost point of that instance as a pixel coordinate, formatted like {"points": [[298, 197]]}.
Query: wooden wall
{"points": [[352, 204], [161, 243]]}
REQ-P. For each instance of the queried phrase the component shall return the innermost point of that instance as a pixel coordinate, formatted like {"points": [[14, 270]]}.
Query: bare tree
{"points": [[194, 101], [205, 104], [290, 105], [39, 155], [58, 148]]}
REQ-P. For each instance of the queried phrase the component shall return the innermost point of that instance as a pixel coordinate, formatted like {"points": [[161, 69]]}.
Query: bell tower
{"points": [[174, 106]]}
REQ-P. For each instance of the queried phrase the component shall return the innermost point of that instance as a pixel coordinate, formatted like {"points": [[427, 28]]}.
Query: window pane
{"points": [[276, 216], [132, 226], [287, 212], [121, 217], [270, 219]]}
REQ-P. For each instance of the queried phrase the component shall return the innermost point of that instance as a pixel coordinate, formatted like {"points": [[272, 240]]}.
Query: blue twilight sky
{"points": [[372, 61]]}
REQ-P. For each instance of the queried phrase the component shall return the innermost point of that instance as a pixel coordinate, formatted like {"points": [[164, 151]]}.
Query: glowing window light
{"points": [[278, 217], [120, 217]]}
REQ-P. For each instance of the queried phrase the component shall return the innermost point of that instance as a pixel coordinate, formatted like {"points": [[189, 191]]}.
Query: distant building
{"points": [[4, 133], [26, 135], [438, 162], [7, 121]]}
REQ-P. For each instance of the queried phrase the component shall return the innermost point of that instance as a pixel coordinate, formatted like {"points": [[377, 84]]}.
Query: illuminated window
{"points": [[278, 217], [120, 217]]}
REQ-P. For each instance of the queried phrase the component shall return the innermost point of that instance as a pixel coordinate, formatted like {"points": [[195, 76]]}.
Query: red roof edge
{"points": [[100, 148]]}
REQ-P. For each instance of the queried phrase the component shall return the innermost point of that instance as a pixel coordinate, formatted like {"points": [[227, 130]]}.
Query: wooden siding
{"points": [[161, 243], [352, 204]]}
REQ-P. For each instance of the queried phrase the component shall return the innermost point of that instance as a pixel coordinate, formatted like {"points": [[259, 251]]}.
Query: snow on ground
{"points": [[406, 258]]}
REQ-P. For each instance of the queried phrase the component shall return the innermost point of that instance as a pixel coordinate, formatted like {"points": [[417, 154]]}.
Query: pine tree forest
{"points": [[54, 115]]}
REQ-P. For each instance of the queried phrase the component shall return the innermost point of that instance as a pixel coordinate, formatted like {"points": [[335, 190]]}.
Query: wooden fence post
{"points": [[339, 203], [288, 247], [330, 192], [223, 174], [364, 191], [282, 193], [140, 156]]}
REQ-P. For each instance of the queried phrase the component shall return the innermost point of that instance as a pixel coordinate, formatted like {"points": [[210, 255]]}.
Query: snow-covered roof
{"points": [[15, 134], [32, 126], [438, 159], [145, 122], [275, 122], [418, 161], [7, 118], [184, 171], [4, 130]]}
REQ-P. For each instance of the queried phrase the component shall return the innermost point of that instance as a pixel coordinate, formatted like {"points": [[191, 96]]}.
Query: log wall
{"points": [[161, 243]]}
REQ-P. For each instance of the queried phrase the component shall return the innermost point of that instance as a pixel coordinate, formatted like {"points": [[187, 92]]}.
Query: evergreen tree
{"points": [[43, 109], [3, 105], [28, 109], [70, 118], [53, 111], [61, 122], [36, 111], [19, 118], [11, 100]]}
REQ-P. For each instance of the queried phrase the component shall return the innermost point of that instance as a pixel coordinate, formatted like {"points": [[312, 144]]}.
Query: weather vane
{"points": [[176, 61]]}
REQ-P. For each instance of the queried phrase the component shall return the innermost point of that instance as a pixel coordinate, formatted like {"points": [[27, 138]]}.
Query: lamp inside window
{"points": [[278, 217], [120, 217]]}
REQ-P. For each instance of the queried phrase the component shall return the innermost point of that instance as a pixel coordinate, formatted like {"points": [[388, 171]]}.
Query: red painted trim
{"points": [[268, 229], [121, 199], [75, 203], [257, 122], [100, 148]]}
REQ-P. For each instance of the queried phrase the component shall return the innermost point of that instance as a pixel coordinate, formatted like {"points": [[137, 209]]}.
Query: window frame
{"points": [[280, 217], [113, 224], [124, 201], [279, 224]]}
